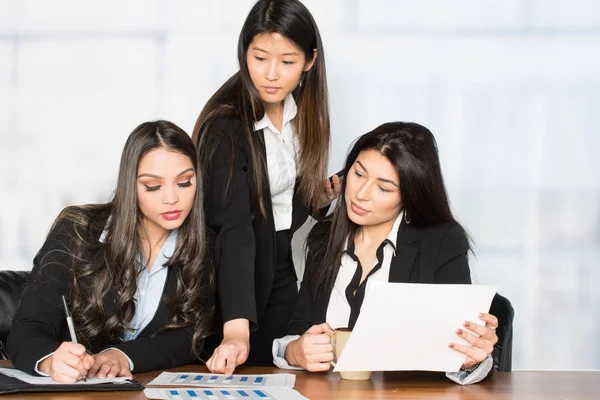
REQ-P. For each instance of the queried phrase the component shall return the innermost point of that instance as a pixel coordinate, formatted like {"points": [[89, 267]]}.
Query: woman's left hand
{"points": [[483, 342], [333, 188], [110, 364]]}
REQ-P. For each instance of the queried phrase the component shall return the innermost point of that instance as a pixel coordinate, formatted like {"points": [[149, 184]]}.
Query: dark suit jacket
{"points": [[39, 324], [244, 244], [436, 254]]}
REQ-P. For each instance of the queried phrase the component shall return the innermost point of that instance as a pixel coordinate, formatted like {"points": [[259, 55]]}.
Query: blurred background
{"points": [[510, 88]]}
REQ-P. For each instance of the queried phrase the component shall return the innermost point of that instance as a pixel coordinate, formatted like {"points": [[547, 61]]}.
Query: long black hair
{"points": [[413, 152], [239, 97], [113, 265]]}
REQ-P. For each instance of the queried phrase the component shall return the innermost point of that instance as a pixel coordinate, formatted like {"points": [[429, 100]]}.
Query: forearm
{"points": [[168, 349], [239, 327]]}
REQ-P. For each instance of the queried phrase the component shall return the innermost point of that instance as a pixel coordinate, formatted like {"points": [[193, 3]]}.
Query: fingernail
{"points": [[481, 315], [459, 331], [451, 345], [466, 324]]}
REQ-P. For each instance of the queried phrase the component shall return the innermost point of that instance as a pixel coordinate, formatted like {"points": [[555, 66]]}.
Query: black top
{"points": [[355, 292], [39, 324], [244, 243], [436, 254]]}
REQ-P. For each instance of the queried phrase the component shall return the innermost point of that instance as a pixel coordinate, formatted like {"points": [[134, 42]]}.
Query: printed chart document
{"points": [[223, 393], [45, 380], [219, 380], [405, 327]]}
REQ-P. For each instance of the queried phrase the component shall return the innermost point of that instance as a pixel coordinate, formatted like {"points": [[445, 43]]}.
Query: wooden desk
{"points": [[397, 385]]}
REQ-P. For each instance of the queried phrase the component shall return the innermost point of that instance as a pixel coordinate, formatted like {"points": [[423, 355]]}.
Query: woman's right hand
{"points": [[234, 348], [68, 364], [313, 350]]}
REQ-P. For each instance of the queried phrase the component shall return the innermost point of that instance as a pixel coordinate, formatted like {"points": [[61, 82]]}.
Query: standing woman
{"points": [[132, 271], [263, 139]]}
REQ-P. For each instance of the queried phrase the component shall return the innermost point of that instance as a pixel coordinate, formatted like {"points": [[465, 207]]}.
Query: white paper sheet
{"points": [[219, 380], [223, 393], [405, 327], [44, 380]]}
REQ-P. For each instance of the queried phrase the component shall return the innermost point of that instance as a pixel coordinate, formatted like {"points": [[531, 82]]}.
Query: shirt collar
{"points": [[289, 112], [393, 235], [390, 239], [167, 250]]}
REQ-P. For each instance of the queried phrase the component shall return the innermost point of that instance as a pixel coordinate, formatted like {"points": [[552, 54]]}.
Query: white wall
{"points": [[510, 89]]}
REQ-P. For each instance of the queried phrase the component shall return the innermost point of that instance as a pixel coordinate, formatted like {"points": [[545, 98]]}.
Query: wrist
{"points": [[120, 356], [239, 328], [44, 365], [290, 353], [470, 369]]}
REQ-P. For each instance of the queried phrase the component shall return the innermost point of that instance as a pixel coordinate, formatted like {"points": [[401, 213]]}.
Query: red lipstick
{"points": [[171, 215]]}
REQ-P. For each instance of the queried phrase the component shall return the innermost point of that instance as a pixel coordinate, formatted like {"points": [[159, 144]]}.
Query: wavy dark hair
{"points": [[238, 97], [112, 266], [412, 150]]}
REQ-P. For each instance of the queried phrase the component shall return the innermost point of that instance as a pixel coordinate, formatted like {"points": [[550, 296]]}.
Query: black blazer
{"points": [[39, 324], [436, 254], [244, 243]]}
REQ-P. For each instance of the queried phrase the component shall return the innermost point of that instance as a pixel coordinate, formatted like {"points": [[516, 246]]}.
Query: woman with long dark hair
{"points": [[133, 271], [392, 223], [263, 139]]}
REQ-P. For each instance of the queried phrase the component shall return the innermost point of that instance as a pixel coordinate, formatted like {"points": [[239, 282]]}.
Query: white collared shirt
{"points": [[282, 158], [150, 286], [338, 310]]}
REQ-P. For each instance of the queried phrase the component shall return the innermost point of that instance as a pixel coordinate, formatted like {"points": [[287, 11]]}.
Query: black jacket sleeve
{"points": [[230, 214], [311, 306], [39, 324], [167, 349], [302, 319]]}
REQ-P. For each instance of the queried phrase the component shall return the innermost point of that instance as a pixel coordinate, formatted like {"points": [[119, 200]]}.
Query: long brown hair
{"points": [[238, 97], [412, 150], [113, 265]]}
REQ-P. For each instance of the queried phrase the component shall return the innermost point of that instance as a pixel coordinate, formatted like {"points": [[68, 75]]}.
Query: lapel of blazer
{"points": [[266, 189], [406, 252], [162, 316]]}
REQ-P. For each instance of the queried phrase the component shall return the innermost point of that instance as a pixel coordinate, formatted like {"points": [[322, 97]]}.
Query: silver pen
{"points": [[71, 327]]}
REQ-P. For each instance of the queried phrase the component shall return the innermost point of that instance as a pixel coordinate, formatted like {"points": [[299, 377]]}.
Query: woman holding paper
{"points": [[392, 223], [132, 271], [263, 139]]}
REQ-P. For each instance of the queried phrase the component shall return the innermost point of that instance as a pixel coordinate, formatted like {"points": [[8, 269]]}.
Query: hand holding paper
{"points": [[409, 326], [482, 340]]}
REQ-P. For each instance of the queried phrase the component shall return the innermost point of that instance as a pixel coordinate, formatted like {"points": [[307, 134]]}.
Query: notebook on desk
{"points": [[10, 384]]}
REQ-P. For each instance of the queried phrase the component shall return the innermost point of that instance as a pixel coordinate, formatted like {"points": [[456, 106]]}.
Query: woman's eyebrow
{"points": [[380, 179], [160, 177]]}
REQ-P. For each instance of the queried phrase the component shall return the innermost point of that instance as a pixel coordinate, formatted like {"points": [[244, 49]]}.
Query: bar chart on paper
{"points": [[223, 394], [221, 381]]}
